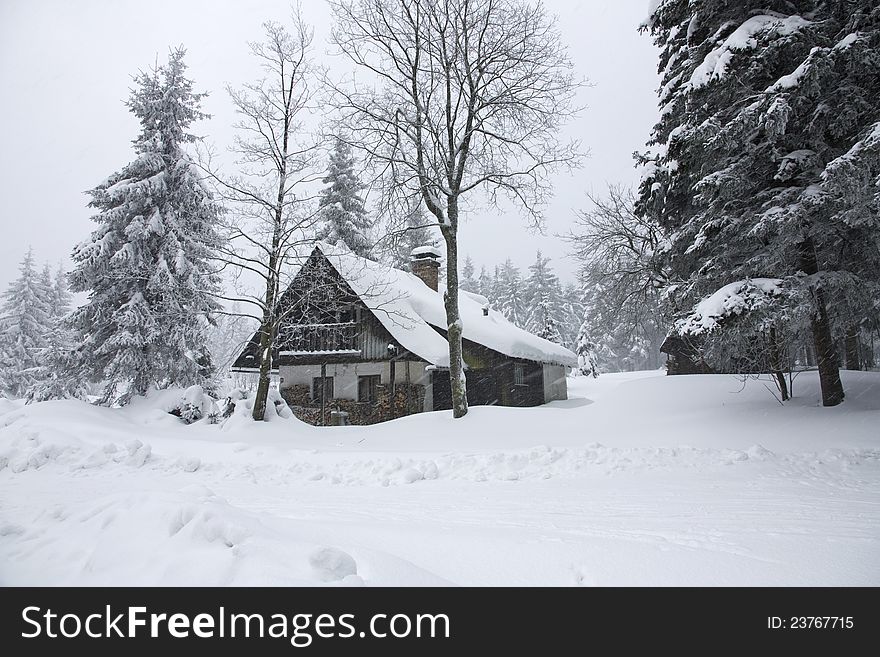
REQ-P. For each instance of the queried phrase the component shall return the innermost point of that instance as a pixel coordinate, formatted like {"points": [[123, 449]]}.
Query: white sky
{"points": [[66, 67]]}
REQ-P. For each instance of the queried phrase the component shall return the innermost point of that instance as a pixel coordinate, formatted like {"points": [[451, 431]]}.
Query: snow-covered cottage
{"points": [[369, 340]]}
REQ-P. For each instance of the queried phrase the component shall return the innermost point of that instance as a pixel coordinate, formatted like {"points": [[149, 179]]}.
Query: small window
{"points": [[519, 374], [368, 388], [326, 388], [347, 314]]}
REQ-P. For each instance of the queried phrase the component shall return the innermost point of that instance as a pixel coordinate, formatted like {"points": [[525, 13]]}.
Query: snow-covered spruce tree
{"points": [[62, 298], [510, 294], [765, 156], [484, 285], [570, 314], [751, 315], [549, 330], [146, 267], [542, 293], [25, 317], [588, 364], [467, 282], [495, 289], [342, 211], [57, 375], [619, 345]]}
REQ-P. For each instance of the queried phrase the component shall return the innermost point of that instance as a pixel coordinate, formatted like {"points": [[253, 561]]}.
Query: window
{"points": [[368, 388], [347, 314], [519, 374], [327, 388]]}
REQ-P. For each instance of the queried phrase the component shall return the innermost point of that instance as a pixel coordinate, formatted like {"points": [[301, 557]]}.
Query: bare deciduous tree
{"points": [[270, 220], [617, 249], [465, 95]]}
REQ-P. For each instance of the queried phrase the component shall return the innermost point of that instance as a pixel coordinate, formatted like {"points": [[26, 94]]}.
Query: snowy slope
{"points": [[638, 479]]}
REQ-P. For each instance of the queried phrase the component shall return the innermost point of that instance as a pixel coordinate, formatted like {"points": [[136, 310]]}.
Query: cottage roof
{"points": [[410, 311]]}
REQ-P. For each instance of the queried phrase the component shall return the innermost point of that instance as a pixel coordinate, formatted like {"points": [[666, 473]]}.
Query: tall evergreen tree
{"points": [[146, 267], [467, 282], [570, 315], [542, 297], [62, 298], [509, 296], [617, 345], [550, 329], [342, 212], [765, 154], [25, 318], [484, 285], [57, 375], [585, 349]]}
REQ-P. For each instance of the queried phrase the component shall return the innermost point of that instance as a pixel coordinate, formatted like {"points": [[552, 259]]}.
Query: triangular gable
{"points": [[412, 313]]}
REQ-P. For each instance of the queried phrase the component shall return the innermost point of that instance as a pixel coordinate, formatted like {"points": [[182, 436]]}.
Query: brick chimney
{"points": [[425, 263]]}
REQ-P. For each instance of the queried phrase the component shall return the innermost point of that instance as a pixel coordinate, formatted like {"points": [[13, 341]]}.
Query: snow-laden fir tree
{"points": [[484, 285], [549, 330], [62, 299], [765, 158], [620, 343], [569, 315], [542, 293], [147, 266], [342, 212], [494, 291], [25, 317], [58, 375], [467, 282], [510, 299], [588, 364]]}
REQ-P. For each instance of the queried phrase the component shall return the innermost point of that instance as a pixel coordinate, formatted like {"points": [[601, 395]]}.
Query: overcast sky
{"points": [[66, 67]]}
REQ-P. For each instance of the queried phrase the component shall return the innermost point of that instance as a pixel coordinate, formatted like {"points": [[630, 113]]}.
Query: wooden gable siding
{"points": [[372, 340], [319, 300]]}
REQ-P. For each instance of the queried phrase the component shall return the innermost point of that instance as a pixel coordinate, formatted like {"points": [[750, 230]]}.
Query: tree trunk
{"points": [[267, 341], [269, 323], [267, 329], [776, 364], [323, 394], [852, 350], [826, 354], [457, 382], [262, 395]]}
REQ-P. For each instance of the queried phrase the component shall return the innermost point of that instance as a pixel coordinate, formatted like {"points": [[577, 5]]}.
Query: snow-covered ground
{"points": [[637, 479]]}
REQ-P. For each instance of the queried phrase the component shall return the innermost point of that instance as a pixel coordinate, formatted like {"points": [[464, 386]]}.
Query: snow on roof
{"points": [[479, 298], [426, 250], [409, 310], [732, 299]]}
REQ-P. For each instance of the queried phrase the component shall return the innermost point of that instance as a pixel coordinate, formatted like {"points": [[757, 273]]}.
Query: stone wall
{"points": [[408, 399]]}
